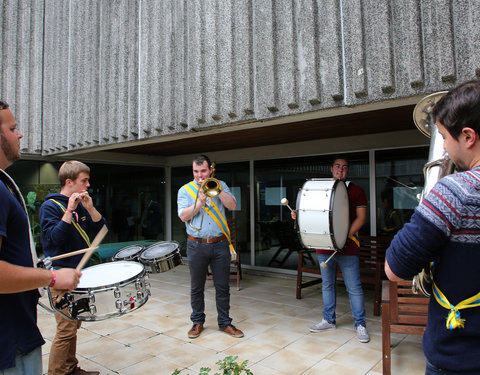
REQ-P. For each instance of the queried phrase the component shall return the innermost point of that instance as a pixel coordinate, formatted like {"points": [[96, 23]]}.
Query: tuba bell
{"points": [[211, 187], [438, 165]]}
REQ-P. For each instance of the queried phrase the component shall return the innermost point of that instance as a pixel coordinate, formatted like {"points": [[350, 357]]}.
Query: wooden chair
{"points": [[402, 312], [236, 265]]}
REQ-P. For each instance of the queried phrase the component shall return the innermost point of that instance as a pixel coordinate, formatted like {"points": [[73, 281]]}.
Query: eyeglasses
{"points": [[341, 166]]}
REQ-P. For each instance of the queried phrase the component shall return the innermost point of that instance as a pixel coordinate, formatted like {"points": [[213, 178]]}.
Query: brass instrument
{"points": [[211, 187], [439, 165]]}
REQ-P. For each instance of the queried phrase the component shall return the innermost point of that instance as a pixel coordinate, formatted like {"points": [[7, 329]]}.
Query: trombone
{"points": [[211, 187]]}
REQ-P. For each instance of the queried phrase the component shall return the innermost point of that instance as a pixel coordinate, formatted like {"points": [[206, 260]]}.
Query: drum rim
{"points": [[112, 285], [330, 215], [165, 256], [142, 248]]}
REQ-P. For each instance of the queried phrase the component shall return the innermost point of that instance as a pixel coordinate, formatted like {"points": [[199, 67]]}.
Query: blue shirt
{"points": [[18, 312], [59, 237], [209, 229]]}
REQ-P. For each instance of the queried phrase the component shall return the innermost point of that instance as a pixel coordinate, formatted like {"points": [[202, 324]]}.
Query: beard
{"points": [[10, 153]]}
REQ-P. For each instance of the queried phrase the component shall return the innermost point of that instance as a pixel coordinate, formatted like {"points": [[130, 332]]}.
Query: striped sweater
{"points": [[445, 228]]}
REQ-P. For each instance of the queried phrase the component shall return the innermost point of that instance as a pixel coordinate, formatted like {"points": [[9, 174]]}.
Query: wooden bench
{"points": [[402, 312], [372, 260]]}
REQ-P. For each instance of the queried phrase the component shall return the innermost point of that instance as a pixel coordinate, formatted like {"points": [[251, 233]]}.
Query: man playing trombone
{"points": [[201, 206]]}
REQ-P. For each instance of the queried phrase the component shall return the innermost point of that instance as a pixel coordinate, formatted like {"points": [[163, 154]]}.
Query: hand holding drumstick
{"points": [[293, 212]]}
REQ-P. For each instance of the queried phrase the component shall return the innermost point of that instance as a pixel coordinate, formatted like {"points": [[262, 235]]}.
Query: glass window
{"points": [[399, 180], [129, 197], [236, 176], [277, 242]]}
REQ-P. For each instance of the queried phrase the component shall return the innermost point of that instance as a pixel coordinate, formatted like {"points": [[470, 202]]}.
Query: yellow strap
{"points": [[214, 212], [454, 319], [76, 225], [354, 238]]}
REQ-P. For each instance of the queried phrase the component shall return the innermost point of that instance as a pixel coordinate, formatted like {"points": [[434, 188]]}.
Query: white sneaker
{"points": [[322, 326], [362, 334]]}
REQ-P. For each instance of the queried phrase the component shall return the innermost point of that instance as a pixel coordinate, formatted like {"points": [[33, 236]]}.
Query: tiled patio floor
{"points": [[153, 339]]}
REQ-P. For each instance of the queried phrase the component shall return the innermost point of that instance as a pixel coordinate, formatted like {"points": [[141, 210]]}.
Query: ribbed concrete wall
{"points": [[86, 73]]}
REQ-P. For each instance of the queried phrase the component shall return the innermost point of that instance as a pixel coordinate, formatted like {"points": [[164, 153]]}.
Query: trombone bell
{"points": [[211, 187]]}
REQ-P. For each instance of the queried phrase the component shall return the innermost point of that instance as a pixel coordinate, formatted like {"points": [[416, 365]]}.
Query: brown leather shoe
{"points": [[233, 331], [81, 371], [195, 331]]}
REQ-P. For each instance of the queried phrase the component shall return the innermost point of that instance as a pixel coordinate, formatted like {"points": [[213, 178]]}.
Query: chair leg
{"points": [[386, 349], [299, 275]]}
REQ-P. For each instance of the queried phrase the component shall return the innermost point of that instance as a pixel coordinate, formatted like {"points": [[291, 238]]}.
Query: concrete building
{"points": [[269, 89]]}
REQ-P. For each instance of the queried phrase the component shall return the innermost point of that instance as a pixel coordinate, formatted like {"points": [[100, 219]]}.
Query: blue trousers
{"points": [[217, 256], [433, 370], [26, 364], [350, 267]]}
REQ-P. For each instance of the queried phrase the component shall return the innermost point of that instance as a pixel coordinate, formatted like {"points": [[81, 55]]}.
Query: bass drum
{"points": [[105, 291], [161, 256], [323, 215], [131, 252]]}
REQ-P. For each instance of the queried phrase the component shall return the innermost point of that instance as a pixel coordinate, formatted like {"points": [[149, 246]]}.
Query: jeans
{"points": [[349, 265], [26, 364], [217, 256], [433, 370]]}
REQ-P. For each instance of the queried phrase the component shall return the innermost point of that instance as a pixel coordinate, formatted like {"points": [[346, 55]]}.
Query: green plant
{"points": [[229, 365]]}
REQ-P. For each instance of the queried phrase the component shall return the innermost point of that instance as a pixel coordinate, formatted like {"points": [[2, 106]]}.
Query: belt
{"points": [[207, 240]]}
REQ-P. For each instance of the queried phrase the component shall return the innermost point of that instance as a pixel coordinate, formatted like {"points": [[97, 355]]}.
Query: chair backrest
{"points": [[406, 307], [372, 250]]}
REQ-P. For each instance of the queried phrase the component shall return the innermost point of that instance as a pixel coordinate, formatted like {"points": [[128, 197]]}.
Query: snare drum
{"points": [[323, 214], [161, 256], [131, 252], [105, 291]]}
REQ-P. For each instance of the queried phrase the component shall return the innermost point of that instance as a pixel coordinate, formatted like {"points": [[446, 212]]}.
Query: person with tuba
{"points": [[201, 206], [348, 261], [443, 235]]}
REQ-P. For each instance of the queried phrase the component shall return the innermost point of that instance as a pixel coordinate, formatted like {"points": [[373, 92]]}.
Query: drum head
{"points": [[339, 214], [323, 214], [128, 252], [159, 250], [108, 274]]}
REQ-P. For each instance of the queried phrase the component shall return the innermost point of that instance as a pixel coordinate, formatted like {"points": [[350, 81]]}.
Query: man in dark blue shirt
{"points": [[20, 338]]}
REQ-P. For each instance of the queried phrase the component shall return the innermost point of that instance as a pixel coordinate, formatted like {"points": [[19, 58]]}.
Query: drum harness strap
{"points": [[454, 319], [215, 214], [75, 224]]}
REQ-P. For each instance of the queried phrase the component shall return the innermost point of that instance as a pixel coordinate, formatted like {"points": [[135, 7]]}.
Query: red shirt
{"points": [[357, 198]]}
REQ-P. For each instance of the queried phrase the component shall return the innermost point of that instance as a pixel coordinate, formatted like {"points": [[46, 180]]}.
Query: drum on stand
{"points": [[323, 215], [161, 256], [131, 252], [105, 290]]}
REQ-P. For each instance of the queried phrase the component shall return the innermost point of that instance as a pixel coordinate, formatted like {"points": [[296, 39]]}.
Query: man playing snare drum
{"points": [[20, 338], [67, 220], [348, 261]]}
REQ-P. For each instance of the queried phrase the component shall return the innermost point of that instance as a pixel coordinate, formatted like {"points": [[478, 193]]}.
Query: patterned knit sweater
{"points": [[445, 228]]}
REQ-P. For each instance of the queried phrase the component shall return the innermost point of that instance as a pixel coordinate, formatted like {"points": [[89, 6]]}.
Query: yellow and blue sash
{"points": [[75, 224], [454, 320], [213, 212]]}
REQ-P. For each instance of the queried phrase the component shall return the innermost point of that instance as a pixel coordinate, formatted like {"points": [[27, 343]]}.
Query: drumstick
{"points": [[96, 241], [72, 253], [285, 203], [324, 264]]}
